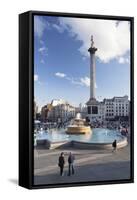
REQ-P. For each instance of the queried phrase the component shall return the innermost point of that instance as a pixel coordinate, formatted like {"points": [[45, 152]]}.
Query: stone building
{"points": [[44, 112], [116, 107], [61, 111]]}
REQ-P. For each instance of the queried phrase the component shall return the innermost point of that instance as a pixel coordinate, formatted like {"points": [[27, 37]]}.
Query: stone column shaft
{"points": [[92, 75]]}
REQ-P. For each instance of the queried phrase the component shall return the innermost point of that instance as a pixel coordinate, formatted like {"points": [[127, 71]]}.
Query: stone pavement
{"points": [[90, 165]]}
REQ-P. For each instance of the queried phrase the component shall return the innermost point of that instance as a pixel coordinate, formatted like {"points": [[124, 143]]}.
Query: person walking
{"points": [[71, 159], [114, 145], [61, 163]]}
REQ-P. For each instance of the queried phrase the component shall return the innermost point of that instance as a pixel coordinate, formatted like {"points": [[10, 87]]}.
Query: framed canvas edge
{"points": [[30, 184]]}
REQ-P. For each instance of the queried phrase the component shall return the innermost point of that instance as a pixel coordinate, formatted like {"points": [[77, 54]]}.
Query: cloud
{"points": [[43, 50], [112, 38], [123, 60], [42, 61], [36, 77], [74, 81], [41, 42], [83, 58], [60, 29], [61, 75], [85, 81], [39, 26]]}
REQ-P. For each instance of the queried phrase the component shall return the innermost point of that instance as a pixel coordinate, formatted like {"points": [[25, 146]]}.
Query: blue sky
{"points": [[61, 60]]}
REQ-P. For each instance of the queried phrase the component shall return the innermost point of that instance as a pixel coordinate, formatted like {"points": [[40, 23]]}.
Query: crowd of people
{"points": [[52, 125], [121, 126]]}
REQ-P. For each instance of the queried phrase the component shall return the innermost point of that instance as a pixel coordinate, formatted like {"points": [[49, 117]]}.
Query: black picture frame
{"points": [[26, 94]]}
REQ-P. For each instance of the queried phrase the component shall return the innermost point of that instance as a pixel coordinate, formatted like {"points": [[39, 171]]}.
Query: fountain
{"points": [[79, 135], [78, 126]]}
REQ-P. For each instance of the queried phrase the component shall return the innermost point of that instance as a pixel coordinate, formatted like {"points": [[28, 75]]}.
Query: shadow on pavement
{"points": [[117, 170]]}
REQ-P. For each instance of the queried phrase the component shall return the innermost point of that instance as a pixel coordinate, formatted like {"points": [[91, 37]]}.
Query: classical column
{"points": [[92, 51]]}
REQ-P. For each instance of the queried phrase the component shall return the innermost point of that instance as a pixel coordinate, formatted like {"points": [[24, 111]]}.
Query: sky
{"points": [[62, 62]]}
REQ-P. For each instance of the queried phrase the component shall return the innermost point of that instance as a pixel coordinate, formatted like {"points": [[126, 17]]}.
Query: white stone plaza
{"points": [[90, 165]]}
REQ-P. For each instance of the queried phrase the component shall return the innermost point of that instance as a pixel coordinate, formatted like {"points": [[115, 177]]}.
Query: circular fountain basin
{"points": [[97, 138]]}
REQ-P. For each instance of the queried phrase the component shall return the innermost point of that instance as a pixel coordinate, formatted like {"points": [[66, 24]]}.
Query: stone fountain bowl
{"points": [[78, 129]]}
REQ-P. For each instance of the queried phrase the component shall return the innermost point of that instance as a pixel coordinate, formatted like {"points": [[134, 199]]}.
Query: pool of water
{"points": [[97, 135]]}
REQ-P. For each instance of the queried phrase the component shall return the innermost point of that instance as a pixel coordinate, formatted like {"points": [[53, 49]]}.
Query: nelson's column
{"points": [[92, 104]]}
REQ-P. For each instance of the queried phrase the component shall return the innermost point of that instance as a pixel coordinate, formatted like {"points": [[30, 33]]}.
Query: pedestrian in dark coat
{"points": [[114, 145], [61, 163], [71, 159]]}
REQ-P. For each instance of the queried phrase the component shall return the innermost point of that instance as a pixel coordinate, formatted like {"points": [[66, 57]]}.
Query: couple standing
{"points": [[61, 163]]}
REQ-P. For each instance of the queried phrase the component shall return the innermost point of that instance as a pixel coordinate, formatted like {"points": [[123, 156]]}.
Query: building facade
{"points": [[44, 112], [96, 111], [110, 109], [61, 111], [117, 107]]}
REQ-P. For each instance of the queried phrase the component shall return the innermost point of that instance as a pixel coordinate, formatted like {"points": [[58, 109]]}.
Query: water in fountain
{"points": [[98, 135]]}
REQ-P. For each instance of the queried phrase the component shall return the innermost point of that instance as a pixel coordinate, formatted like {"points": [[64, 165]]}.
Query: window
{"points": [[94, 110], [89, 109]]}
